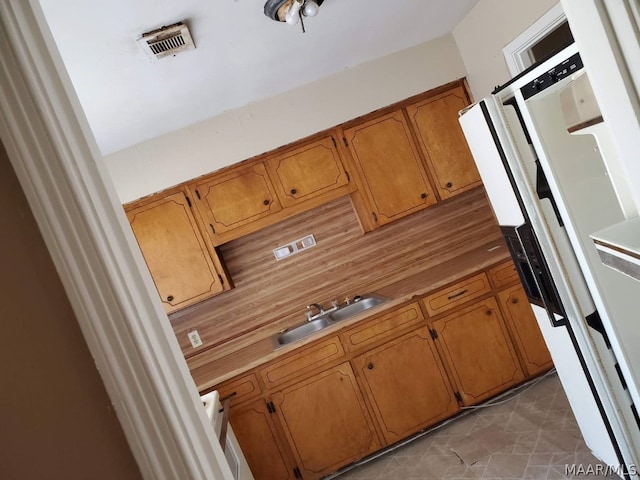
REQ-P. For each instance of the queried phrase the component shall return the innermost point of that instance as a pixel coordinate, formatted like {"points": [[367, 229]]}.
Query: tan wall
{"points": [[262, 126], [57, 420], [485, 31]]}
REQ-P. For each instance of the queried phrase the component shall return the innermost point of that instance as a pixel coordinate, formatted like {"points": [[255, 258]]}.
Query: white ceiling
{"points": [[241, 56]]}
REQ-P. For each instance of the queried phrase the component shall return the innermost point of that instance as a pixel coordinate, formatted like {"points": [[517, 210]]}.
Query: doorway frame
{"points": [[60, 169], [516, 51]]}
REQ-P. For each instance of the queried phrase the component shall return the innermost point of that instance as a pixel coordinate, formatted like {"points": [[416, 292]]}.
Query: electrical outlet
{"points": [[194, 338]]}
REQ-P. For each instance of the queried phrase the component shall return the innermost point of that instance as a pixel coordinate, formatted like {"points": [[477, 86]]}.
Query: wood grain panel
{"points": [[271, 295], [303, 361], [503, 274], [382, 327]]}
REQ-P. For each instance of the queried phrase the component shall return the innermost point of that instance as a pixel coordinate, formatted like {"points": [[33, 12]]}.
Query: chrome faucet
{"points": [[309, 312]]}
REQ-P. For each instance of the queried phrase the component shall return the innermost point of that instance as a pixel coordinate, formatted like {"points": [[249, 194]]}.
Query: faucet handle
{"points": [[308, 313], [335, 303]]}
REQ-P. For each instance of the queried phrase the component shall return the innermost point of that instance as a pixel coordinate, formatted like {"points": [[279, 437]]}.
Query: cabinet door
{"points": [[406, 385], [307, 172], [525, 330], [326, 421], [478, 350], [175, 251], [443, 143], [390, 167], [267, 455], [230, 201]]}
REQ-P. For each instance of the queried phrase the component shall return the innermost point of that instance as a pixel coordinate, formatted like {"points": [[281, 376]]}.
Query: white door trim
{"points": [[61, 172], [516, 53]]}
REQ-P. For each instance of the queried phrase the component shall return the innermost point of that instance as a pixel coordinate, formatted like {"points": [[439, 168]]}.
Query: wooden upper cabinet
{"points": [[440, 136], [229, 202], [477, 347], [391, 171], [309, 172], [176, 254], [525, 330]]}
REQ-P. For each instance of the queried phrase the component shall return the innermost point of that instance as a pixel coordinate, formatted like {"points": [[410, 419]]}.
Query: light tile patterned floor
{"points": [[541, 432]]}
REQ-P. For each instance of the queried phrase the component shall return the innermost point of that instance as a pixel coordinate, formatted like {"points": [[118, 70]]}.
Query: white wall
{"points": [[485, 31], [262, 126]]}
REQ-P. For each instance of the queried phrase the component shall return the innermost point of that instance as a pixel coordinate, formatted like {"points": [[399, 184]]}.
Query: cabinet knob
{"points": [[266, 202], [170, 298], [370, 366], [488, 312], [293, 191], [424, 195], [515, 300], [449, 185]]}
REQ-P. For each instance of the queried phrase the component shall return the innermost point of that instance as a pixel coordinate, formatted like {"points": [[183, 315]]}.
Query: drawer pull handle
{"points": [[459, 294], [370, 366]]}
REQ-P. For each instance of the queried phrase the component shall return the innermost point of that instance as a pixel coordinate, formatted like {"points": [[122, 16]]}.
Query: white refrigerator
{"points": [[547, 176]]}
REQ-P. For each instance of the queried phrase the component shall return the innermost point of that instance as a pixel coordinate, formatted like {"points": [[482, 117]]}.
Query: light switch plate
{"points": [[294, 247]]}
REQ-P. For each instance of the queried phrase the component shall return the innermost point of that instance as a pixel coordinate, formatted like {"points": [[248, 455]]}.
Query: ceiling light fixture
{"points": [[291, 11]]}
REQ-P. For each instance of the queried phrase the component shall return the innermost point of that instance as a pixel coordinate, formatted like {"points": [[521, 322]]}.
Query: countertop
{"points": [[243, 354]]}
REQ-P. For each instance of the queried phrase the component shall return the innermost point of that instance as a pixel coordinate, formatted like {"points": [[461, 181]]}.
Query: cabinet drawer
{"points": [[301, 362], [503, 274], [242, 388], [456, 294], [382, 327]]}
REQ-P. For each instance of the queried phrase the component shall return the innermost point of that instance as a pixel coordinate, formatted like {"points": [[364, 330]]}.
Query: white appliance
{"points": [[550, 189], [224, 431]]}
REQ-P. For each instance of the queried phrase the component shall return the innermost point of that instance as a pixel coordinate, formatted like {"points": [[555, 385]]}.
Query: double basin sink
{"points": [[326, 319]]}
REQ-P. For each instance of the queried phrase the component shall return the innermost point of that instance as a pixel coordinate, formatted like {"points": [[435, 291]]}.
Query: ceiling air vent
{"points": [[167, 40]]}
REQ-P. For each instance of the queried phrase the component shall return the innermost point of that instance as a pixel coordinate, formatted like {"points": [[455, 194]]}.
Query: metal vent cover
{"points": [[167, 40]]}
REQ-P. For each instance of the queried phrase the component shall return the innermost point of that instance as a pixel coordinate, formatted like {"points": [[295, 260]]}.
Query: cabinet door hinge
{"points": [[346, 144], [458, 397], [271, 407], [375, 217], [221, 279], [433, 333], [213, 230], [335, 144], [297, 473], [348, 176], [188, 201], [198, 195]]}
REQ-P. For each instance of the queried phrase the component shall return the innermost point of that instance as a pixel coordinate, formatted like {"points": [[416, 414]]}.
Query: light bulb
{"points": [[310, 8], [292, 14]]}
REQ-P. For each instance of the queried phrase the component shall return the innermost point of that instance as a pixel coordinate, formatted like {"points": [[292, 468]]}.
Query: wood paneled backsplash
{"points": [[270, 295]]}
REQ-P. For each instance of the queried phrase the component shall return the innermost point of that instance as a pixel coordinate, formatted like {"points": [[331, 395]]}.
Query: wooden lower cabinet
{"points": [[525, 330], [406, 385], [477, 347], [326, 421], [267, 455]]}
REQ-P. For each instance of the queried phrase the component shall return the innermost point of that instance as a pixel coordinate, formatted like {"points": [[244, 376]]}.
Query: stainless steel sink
{"points": [[301, 331], [365, 303], [327, 319]]}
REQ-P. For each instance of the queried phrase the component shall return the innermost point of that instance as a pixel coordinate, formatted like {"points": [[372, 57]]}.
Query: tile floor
{"points": [[530, 435]]}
